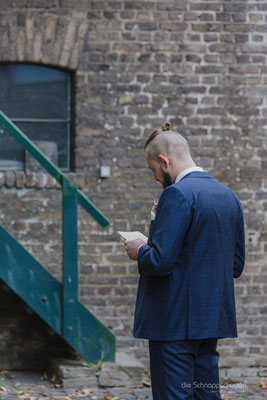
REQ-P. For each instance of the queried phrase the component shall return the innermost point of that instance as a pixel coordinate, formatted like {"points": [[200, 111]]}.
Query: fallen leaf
{"points": [[4, 372], [86, 392], [146, 381], [56, 386], [110, 398], [263, 383], [53, 378]]}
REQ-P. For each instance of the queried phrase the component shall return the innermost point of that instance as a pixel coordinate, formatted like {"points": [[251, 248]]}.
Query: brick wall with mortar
{"points": [[200, 65]]}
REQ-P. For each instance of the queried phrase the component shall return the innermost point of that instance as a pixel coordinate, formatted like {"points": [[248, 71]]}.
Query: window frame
{"points": [[68, 121]]}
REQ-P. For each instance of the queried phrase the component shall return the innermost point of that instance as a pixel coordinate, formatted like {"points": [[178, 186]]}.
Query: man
{"points": [[195, 248]]}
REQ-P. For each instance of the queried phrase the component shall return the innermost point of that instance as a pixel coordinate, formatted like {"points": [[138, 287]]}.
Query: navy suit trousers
{"points": [[184, 369]]}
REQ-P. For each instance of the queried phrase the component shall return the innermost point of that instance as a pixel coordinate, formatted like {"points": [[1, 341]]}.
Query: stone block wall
{"points": [[26, 342], [201, 66]]}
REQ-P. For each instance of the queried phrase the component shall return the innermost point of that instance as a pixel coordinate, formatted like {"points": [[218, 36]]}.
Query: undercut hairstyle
{"points": [[166, 141]]}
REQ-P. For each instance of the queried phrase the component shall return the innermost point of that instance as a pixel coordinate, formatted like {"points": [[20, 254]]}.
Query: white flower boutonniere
{"points": [[153, 210]]}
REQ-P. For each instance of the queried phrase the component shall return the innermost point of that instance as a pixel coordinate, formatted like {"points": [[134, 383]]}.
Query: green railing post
{"points": [[57, 304], [70, 261]]}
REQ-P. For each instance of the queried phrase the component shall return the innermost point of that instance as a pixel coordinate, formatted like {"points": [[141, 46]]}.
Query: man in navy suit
{"points": [[185, 300]]}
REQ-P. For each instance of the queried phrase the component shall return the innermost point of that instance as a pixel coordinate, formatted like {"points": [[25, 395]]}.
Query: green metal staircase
{"points": [[56, 303]]}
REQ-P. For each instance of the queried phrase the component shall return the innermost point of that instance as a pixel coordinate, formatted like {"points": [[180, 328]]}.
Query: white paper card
{"points": [[133, 235]]}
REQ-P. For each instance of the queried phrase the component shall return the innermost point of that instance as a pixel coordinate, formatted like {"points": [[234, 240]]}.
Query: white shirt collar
{"points": [[186, 171]]}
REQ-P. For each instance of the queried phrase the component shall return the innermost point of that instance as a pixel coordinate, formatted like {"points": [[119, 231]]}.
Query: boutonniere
{"points": [[153, 210]]}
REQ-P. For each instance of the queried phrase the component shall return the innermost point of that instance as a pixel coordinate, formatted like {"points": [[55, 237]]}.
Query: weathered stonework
{"points": [[25, 340], [200, 65]]}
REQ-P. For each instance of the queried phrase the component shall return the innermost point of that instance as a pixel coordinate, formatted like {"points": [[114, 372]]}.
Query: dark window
{"points": [[38, 100]]}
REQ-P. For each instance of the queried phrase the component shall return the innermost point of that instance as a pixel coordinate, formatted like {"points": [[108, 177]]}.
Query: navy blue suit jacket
{"points": [[195, 248]]}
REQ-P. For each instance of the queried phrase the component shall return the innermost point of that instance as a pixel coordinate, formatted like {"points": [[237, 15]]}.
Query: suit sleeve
{"points": [[171, 224], [239, 257]]}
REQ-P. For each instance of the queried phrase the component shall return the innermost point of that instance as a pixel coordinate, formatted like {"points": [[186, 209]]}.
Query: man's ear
{"points": [[164, 160]]}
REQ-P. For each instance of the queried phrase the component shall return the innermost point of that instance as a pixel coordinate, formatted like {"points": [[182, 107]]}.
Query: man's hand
{"points": [[131, 247]]}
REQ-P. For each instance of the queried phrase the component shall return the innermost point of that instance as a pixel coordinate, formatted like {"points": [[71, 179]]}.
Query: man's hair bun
{"points": [[166, 126]]}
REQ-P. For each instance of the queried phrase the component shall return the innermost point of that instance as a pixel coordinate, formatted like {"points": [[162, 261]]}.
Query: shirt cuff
{"points": [[139, 247]]}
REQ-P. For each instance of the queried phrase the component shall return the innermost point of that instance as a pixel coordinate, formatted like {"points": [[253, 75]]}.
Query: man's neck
{"points": [[183, 167], [187, 171]]}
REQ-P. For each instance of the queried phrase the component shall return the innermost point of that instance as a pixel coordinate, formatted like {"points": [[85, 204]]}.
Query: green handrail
{"points": [[72, 196], [51, 168]]}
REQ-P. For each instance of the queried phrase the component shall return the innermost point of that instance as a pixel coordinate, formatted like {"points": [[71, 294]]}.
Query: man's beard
{"points": [[167, 179]]}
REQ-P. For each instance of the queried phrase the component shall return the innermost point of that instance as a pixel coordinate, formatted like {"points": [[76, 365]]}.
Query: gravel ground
{"points": [[17, 385]]}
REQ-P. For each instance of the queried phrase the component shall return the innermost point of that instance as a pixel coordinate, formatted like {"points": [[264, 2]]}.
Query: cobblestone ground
{"points": [[32, 386]]}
